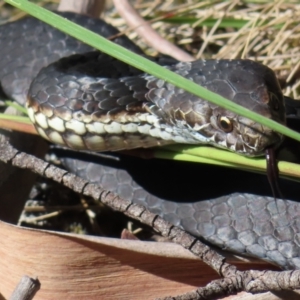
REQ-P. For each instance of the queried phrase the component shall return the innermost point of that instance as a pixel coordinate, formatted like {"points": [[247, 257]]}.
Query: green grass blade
{"points": [[225, 23], [17, 106], [210, 22], [20, 119], [142, 63]]}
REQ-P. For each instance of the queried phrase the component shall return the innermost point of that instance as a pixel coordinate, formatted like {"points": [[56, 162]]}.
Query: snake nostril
{"points": [[275, 102]]}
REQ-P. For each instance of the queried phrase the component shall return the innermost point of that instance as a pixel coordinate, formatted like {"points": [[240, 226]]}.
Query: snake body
{"points": [[228, 217], [87, 100]]}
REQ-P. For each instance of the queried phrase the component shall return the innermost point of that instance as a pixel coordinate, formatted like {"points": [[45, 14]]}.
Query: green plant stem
{"points": [[216, 156], [16, 106], [20, 119]]}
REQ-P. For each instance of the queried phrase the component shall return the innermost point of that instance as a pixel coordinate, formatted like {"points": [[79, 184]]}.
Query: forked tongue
{"points": [[273, 173]]}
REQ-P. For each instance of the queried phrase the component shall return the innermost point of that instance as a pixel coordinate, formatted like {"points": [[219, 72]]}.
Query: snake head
{"points": [[245, 136], [245, 82], [255, 87]]}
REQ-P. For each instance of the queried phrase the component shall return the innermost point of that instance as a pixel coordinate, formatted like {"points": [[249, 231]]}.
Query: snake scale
{"points": [[87, 93]]}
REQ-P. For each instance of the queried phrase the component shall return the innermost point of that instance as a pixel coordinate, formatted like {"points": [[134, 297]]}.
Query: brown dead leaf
{"points": [[76, 267]]}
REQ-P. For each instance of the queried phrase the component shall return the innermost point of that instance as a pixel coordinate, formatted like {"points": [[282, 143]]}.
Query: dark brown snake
{"points": [[90, 101]]}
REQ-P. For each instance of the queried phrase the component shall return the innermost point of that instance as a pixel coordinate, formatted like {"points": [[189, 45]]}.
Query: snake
{"points": [[86, 100]]}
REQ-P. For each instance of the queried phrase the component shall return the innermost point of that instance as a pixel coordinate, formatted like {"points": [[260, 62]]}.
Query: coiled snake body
{"points": [[93, 102]]}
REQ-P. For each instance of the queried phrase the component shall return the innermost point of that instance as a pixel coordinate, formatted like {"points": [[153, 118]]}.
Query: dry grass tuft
{"points": [[268, 32]]}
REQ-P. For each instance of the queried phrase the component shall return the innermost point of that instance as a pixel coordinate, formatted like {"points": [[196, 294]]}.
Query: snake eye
{"points": [[225, 123]]}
